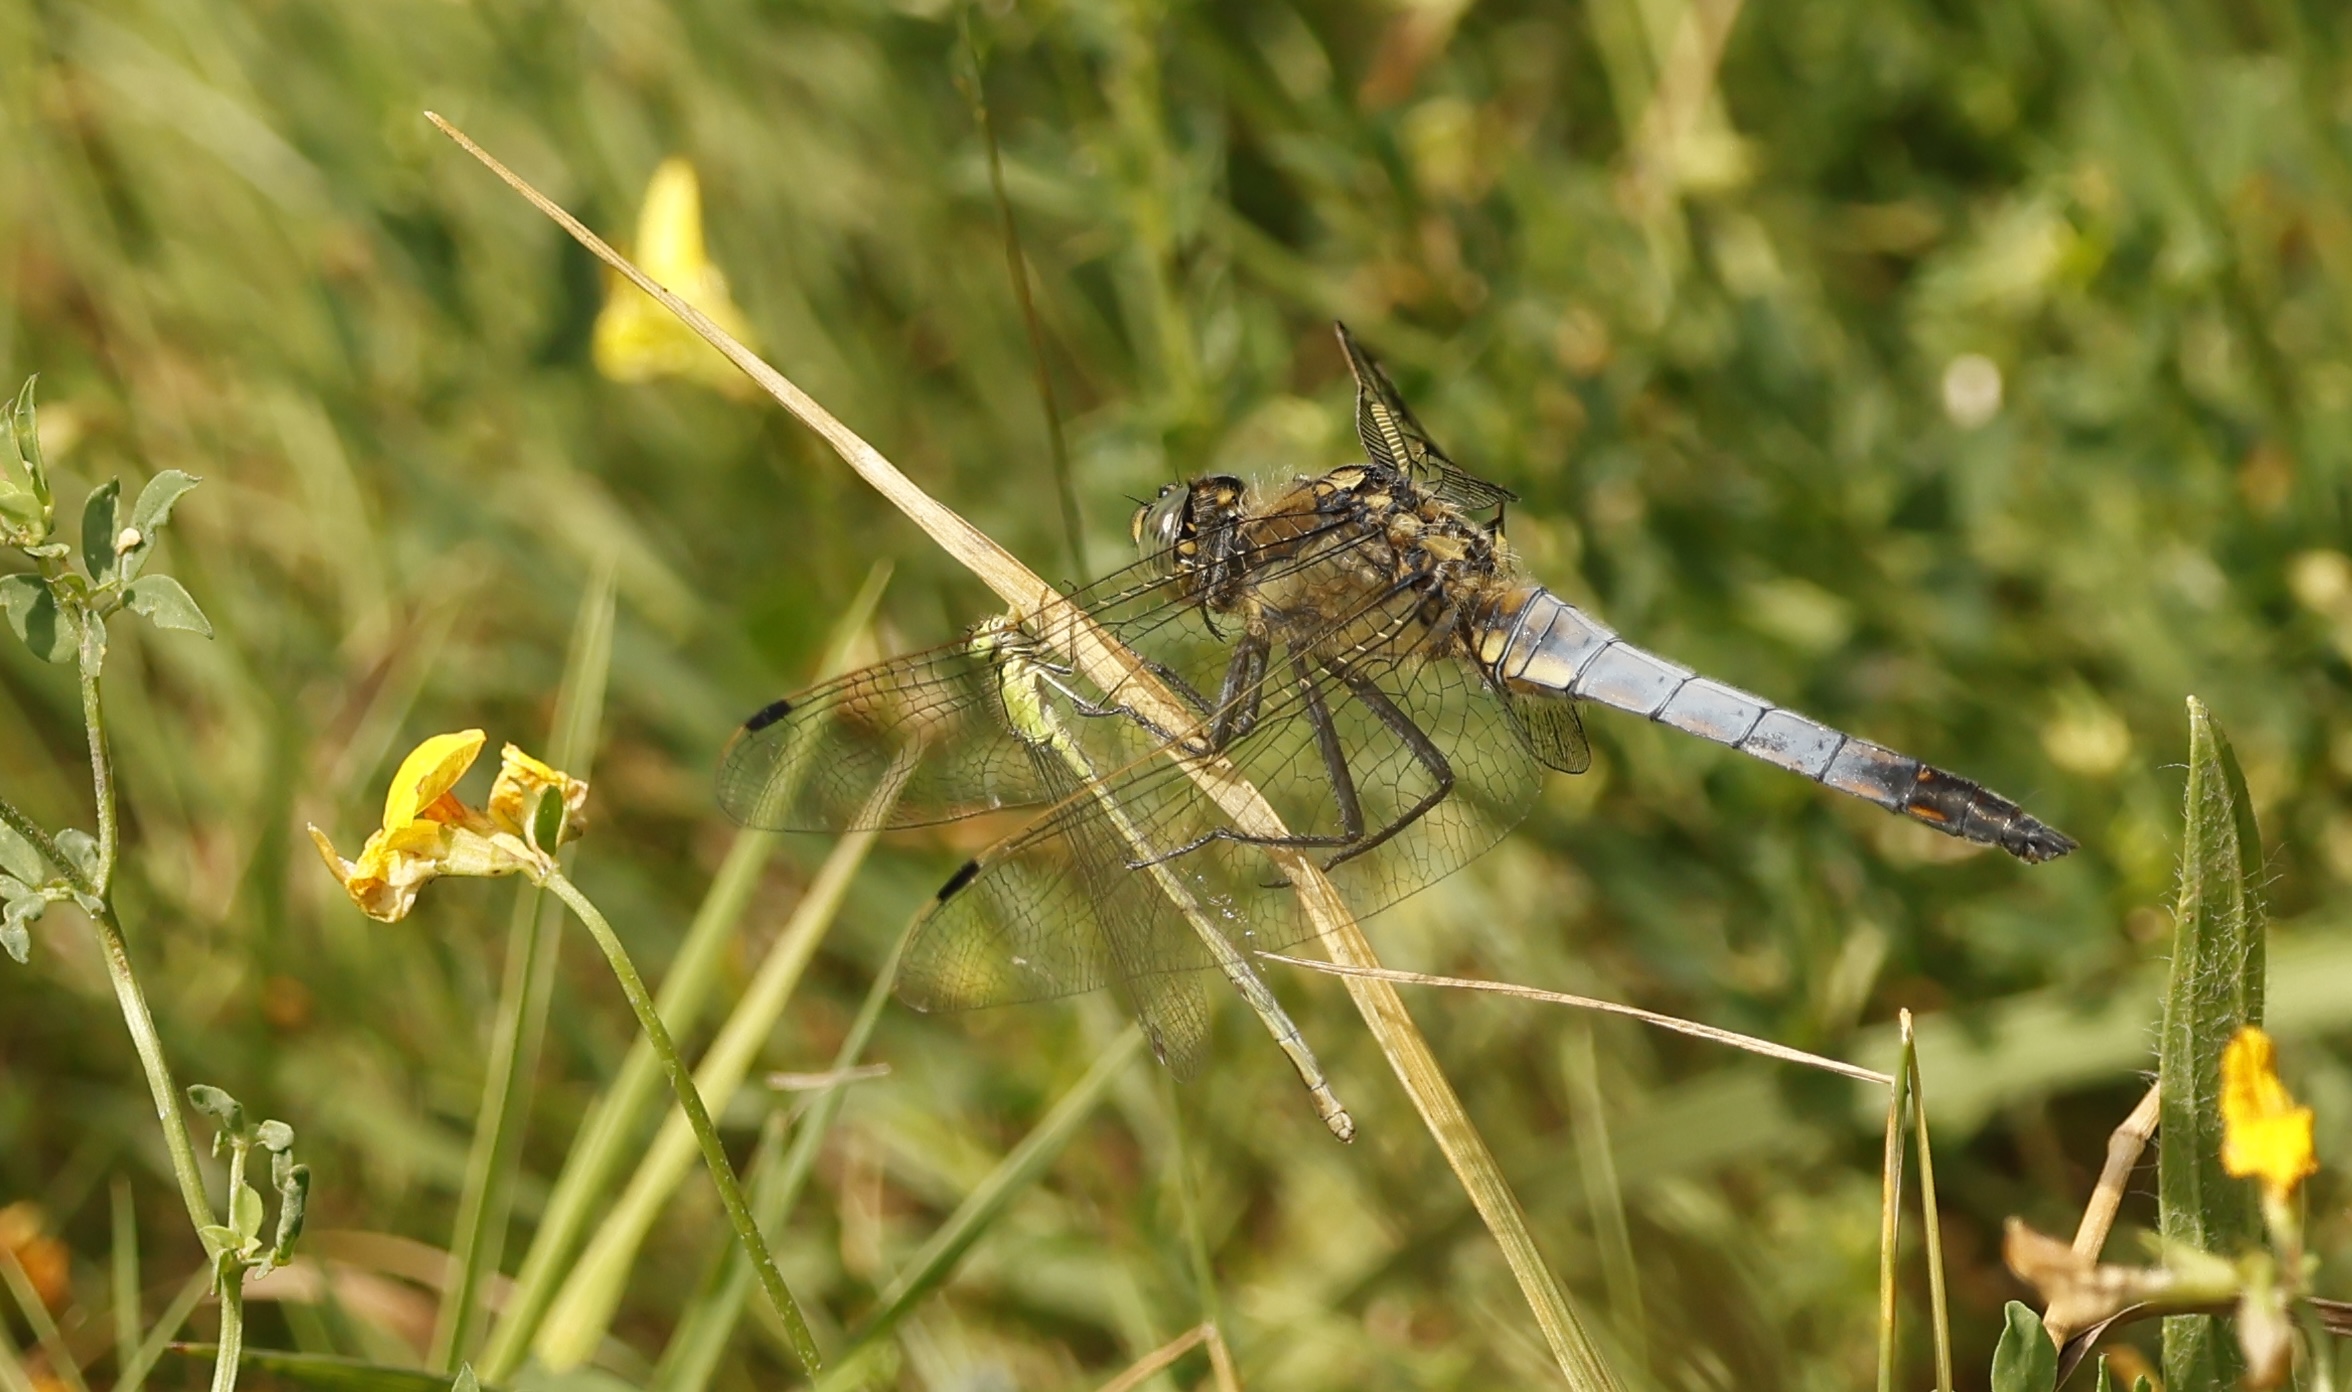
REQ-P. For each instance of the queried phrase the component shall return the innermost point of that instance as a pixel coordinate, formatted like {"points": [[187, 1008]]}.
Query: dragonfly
{"points": [[1361, 645]]}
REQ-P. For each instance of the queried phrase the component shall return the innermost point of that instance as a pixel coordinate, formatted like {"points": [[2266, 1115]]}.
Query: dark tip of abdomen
{"points": [[963, 876], [1967, 809], [2033, 842], [767, 715]]}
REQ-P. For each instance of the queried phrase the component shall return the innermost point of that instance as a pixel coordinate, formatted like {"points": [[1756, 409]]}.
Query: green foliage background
{"points": [[1703, 319]]}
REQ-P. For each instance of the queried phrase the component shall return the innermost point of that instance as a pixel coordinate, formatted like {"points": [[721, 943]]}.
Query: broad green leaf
{"points": [[2215, 988], [164, 602], [99, 530], [2025, 1360], [150, 513], [247, 1214], [33, 613]]}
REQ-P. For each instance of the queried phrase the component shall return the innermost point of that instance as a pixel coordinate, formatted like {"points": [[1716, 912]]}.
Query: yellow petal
{"points": [[2264, 1135], [636, 339], [520, 779], [431, 769], [669, 227]]}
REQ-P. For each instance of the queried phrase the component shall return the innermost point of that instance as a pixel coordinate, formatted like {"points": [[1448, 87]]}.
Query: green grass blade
{"points": [[479, 1238], [583, 1309], [1604, 1196], [980, 1209], [613, 1125], [2216, 987], [329, 1372], [123, 1273], [686, 1365], [159, 1338]]}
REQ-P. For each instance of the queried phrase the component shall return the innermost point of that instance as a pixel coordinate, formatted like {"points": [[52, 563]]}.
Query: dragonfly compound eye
{"points": [[1164, 521]]}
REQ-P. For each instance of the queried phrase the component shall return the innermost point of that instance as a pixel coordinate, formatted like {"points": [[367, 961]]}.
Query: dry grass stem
{"points": [[2124, 1149], [813, 1082], [1143, 1368], [1074, 636], [1648, 1017], [1931, 1220]]}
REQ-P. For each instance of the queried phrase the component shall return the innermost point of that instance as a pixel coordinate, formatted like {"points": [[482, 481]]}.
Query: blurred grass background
{"points": [[1974, 377]]}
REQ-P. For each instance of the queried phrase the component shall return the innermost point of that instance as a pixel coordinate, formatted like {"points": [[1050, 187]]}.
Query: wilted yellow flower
{"points": [[25, 1236], [428, 832], [638, 340], [520, 778], [2264, 1135]]}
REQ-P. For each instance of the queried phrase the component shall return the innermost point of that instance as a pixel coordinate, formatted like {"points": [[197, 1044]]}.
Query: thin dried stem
{"points": [[1075, 636], [2124, 1149], [1142, 1368], [1930, 1219], [1648, 1017], [1890, 1217]]}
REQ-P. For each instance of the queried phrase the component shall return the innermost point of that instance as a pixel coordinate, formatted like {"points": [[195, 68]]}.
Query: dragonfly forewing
{"points": [[807, 763]]}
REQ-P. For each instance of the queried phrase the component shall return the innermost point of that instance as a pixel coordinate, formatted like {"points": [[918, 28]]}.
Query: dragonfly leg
{"points": [[1432, 758], [1335, 765], [1237, 698]]}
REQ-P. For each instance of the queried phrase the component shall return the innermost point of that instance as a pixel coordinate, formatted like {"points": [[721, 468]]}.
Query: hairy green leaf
{"points": [[2215, 989]]}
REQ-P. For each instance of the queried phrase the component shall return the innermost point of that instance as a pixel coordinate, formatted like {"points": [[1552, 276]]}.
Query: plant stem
{"points": [[697, 1117], [159, 1077], [101, 765], [232, 1331]]}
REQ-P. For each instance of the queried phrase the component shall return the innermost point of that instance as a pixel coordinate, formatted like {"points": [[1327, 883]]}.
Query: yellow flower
{"points": [[520, 779], [24, 1235], [428, 832], [638, 340], [2264, 1135]]}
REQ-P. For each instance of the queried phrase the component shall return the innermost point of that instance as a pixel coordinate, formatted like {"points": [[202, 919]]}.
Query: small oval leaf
{"points": [[154, 507], [2025, 1360], [33, 613], [98, 530], [164, 602]]}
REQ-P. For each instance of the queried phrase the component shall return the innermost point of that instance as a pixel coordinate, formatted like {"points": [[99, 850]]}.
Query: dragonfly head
{"points": [[1171, 524]]}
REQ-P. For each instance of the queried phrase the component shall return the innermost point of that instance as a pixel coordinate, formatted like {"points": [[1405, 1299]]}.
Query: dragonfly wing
{"points": [[810, 762], [1394, 440], [1057, 910], [1551, 730], [1437, 766]]}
